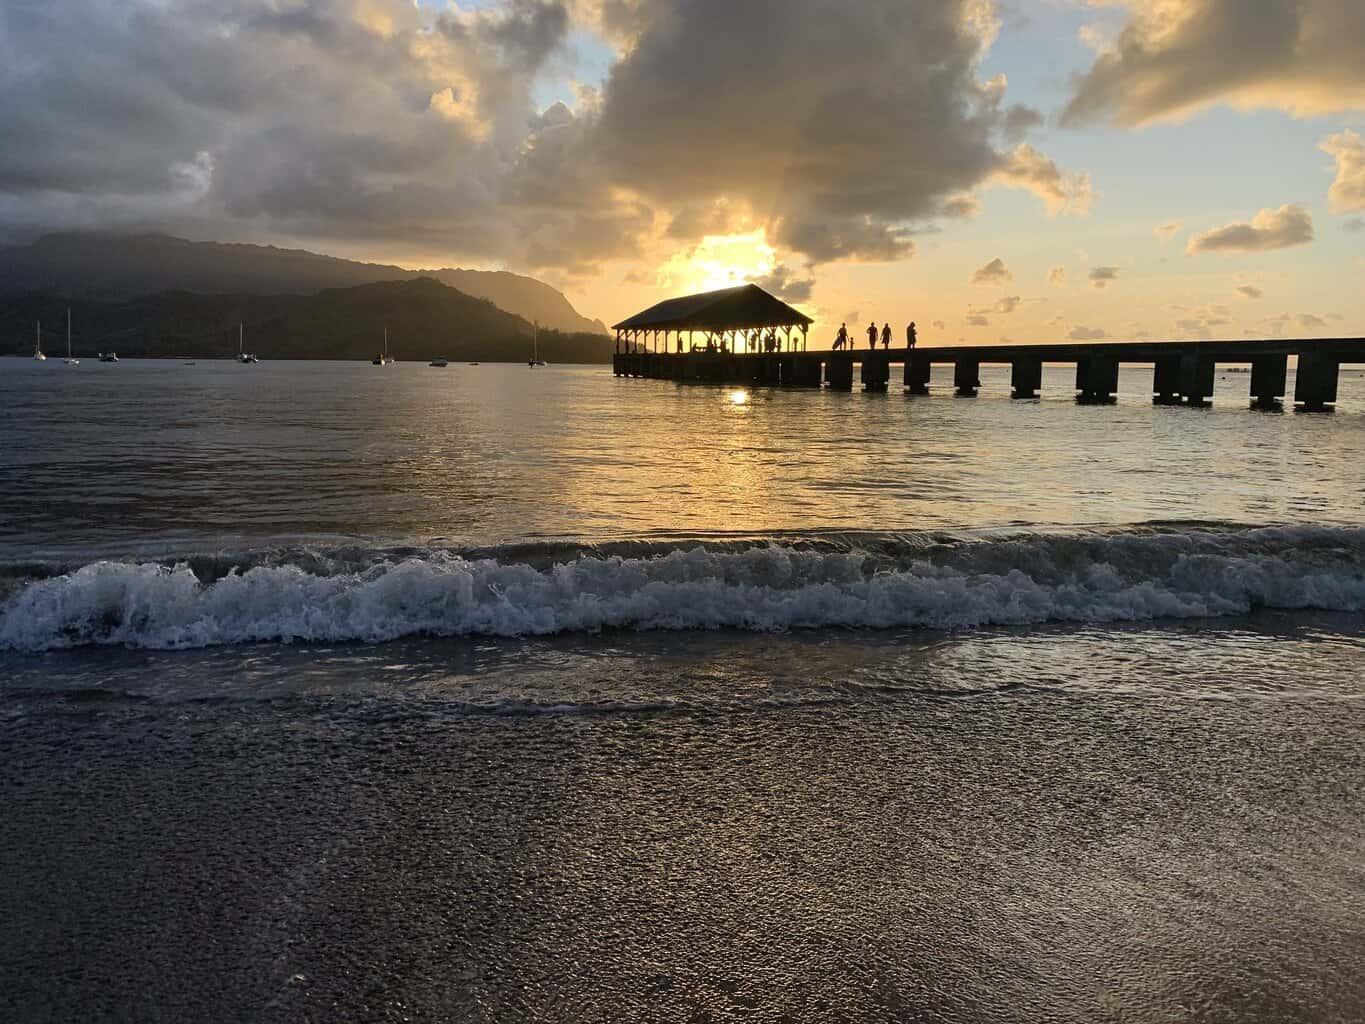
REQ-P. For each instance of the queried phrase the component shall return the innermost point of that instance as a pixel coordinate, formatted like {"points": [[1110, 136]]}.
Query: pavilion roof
{"points": [[730, 309]]}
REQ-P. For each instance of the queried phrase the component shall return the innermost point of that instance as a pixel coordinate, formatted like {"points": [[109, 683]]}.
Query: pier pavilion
{"points": [[750, 338], [733, 321]]}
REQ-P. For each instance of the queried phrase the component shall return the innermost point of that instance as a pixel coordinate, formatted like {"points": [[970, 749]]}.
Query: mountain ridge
{"points": [[119, 266], [425, 319]]}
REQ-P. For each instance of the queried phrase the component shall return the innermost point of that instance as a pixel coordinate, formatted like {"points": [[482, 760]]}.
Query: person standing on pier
{"points": [[872, 335], [841, 339], [911, 335], [886, 335]]}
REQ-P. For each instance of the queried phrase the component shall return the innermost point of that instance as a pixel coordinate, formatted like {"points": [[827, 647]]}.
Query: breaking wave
{"points": [[939, 581]]}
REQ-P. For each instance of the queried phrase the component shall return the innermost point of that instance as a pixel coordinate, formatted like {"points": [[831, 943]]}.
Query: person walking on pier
{"points": [[911, 335], [872, 335], [886, 335], [841, 339]]}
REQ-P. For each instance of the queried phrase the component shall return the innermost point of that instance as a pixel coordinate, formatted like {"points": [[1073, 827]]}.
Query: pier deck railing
{"points": [[1182, 371]]}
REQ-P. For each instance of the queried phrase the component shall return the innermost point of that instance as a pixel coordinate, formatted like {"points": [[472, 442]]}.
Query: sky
{"points": [[1021, 170]]}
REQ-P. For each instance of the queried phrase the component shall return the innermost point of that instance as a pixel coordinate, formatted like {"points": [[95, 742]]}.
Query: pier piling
{"points": [[1026, 377], [1268, 377], [1315, 384], [1097, 378], [839, 373], [966, 375], [1196, 379], [917, 373]]}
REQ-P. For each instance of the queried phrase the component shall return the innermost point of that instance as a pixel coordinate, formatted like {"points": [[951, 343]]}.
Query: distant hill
{"points": [[97, 265], [425, 319]]}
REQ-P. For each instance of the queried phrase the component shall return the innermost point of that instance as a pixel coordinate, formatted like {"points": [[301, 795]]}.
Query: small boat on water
{"points": [[535, 359], [70, 361], [38, 345], [242, 355], [108, 357], [439, 362], [383, 359]]}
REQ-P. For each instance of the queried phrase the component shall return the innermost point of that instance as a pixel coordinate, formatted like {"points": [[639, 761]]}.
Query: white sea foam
{"points": [[1024, 579]]}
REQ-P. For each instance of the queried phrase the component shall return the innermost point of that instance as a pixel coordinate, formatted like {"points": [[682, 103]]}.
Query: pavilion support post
{"points": [[1026, 377], [967, 376], [1315, 382], [1097, 378]]}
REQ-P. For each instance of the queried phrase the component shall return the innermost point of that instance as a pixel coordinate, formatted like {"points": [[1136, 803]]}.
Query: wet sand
{"points": [[1015, 857]]}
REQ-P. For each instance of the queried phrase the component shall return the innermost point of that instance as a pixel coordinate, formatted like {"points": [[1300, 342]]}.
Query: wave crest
{"points": [[901, 581]]}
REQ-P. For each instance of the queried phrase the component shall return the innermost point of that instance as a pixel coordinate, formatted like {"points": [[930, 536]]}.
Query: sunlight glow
{"points": [[738, 397], [719, 261]]}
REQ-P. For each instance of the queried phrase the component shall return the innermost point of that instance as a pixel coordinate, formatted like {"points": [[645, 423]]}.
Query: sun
{"points": [[720, 261]]}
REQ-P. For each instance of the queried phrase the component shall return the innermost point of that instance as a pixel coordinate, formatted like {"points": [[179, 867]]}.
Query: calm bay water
{"points": [[333, 692]]}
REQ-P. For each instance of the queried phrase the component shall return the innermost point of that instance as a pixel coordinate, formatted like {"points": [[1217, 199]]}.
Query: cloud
{"points": [[1354, 225], [1174, 57], [994, 272], [1087, 334], [940, 325], [1100, 277], [838, 130], [977, 320], [1061, 192], [1057, 277], [838, 126], [378, 124], [786, 284], [1269, 230], [1310, 320], [962, 206], [1347, 193], [1250, 291], [1165, 232], [1005, 305]]}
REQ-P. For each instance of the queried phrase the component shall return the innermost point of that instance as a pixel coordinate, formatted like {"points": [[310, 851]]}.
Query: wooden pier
{"points": [[745, 336], [1182, 371]]}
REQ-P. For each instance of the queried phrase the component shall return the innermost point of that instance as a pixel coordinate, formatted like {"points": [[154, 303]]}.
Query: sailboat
{"points": [[38, 344], [69, 360], [243, 356], [383, 359], [535, 359]]}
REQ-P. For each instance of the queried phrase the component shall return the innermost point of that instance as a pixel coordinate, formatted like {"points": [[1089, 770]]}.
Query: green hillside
{"points": [[425, 320]]}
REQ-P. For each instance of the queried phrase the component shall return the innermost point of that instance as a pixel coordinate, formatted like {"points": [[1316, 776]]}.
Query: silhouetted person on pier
{"points": [[872, 335], [886, 335], [911, 335], [841, 339]]}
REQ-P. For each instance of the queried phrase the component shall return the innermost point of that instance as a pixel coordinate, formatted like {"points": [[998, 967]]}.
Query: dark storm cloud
{"points": [[1174, 56]]}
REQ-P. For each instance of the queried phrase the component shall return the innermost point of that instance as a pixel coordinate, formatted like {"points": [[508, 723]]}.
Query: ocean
{"points": [[336, 692]]}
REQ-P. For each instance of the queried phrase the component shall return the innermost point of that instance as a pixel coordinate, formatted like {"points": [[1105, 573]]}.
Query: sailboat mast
{"points": [[68, 332], [386, 341], [239, 338]]}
